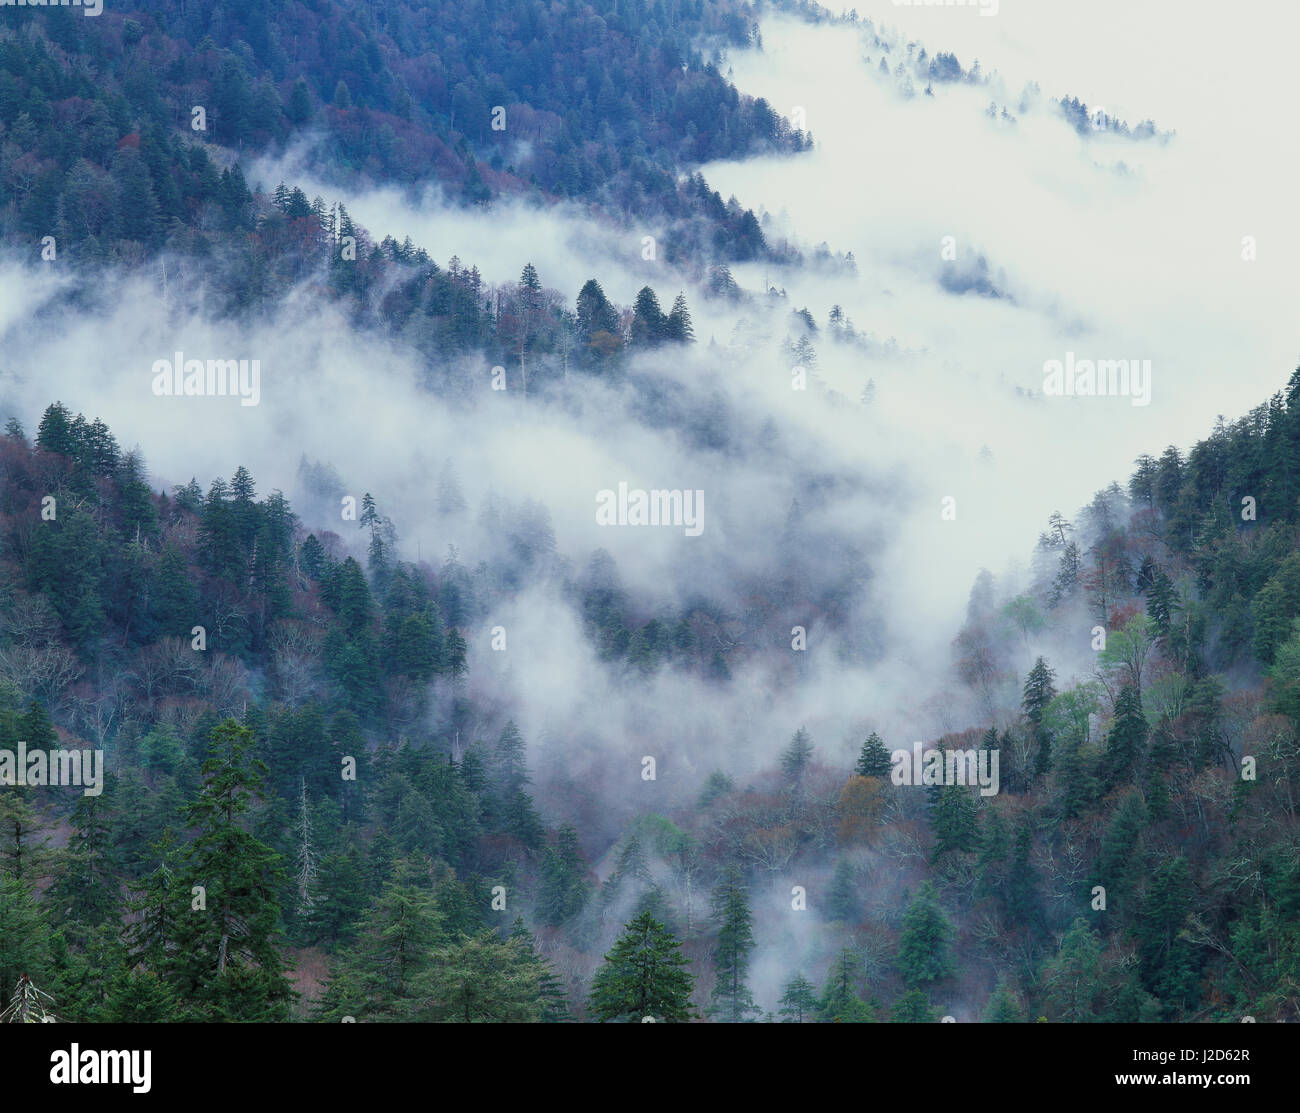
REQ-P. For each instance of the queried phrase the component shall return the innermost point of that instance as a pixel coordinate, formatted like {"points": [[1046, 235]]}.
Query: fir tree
{"points": [[797, 756], [227, 958], [923, 946], [840, 1002], [798, 999], [874, 760], [732, 1000], [643, 976]]}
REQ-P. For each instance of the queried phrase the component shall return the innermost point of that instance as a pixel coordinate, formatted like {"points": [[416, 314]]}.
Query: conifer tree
{"points": [[797, 756], [732, 1000], [480, 979], [840, 1002], [923, 946], [679, 327], [643, 976], [874, 760], [912, 1007], [227, 958], [1003, 1008], [1038, 694], [798, 999], [554, 997], [1127, 739]]}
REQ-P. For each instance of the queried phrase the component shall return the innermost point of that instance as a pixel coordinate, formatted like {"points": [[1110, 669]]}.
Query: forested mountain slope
{"points": [[257, 693]]}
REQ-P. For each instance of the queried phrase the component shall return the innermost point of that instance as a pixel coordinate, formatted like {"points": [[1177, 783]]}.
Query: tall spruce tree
{"points": [[873, 761], [643, 977], [227, 958], [732, 1000]]}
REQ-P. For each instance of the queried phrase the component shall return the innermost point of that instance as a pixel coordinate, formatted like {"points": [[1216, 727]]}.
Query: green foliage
{"points": [[732, 1000], [874, 759], [643, 976], [798, 1000], [924, 954]]}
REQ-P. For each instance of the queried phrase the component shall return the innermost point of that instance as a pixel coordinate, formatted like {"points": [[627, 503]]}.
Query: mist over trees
{"points": [[404, 748]]}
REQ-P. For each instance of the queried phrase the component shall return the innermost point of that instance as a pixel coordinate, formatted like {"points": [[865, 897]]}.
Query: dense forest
{"points": [[318, 804], [110, 130], [277, 839]]}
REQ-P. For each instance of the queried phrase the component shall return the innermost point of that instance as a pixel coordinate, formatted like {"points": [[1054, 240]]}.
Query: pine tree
{"points": [[716, 785], [798, 999], [679, 328], [1127, 738], [923, 947], [1169, 965], [88, 889], [1021, 900], [562, 890], [380, 977], [649, 325], [228, 960], [25, 852], [480, 979], [1003, 1008], [554, 997], [1072, 980], [139, 996], [843, 902], [510, 773], [1076, 782], [1038, 694], [912, 1007], [1119, 860], [954, 821], [840, 1002], [24, 936], [874, 760], [732, 1000], [643, 976], [797, 756], [299, 107]]}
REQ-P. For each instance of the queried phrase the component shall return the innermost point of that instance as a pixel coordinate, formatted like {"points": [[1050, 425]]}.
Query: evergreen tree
{"points": [[649, 325], [1003, 1008], [844, 903], [840, 1002], [480, 979], [1127, 738], [732, 1000], [797, 756], [1038, 694], [381, 977], [923, 947], [678, 328], [798, 999], [228, 960], [874, 760], [715, 785], [643, 976], [563, 889], [554, 997], [954, 820], [1072, 980], [912, 1007]]}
